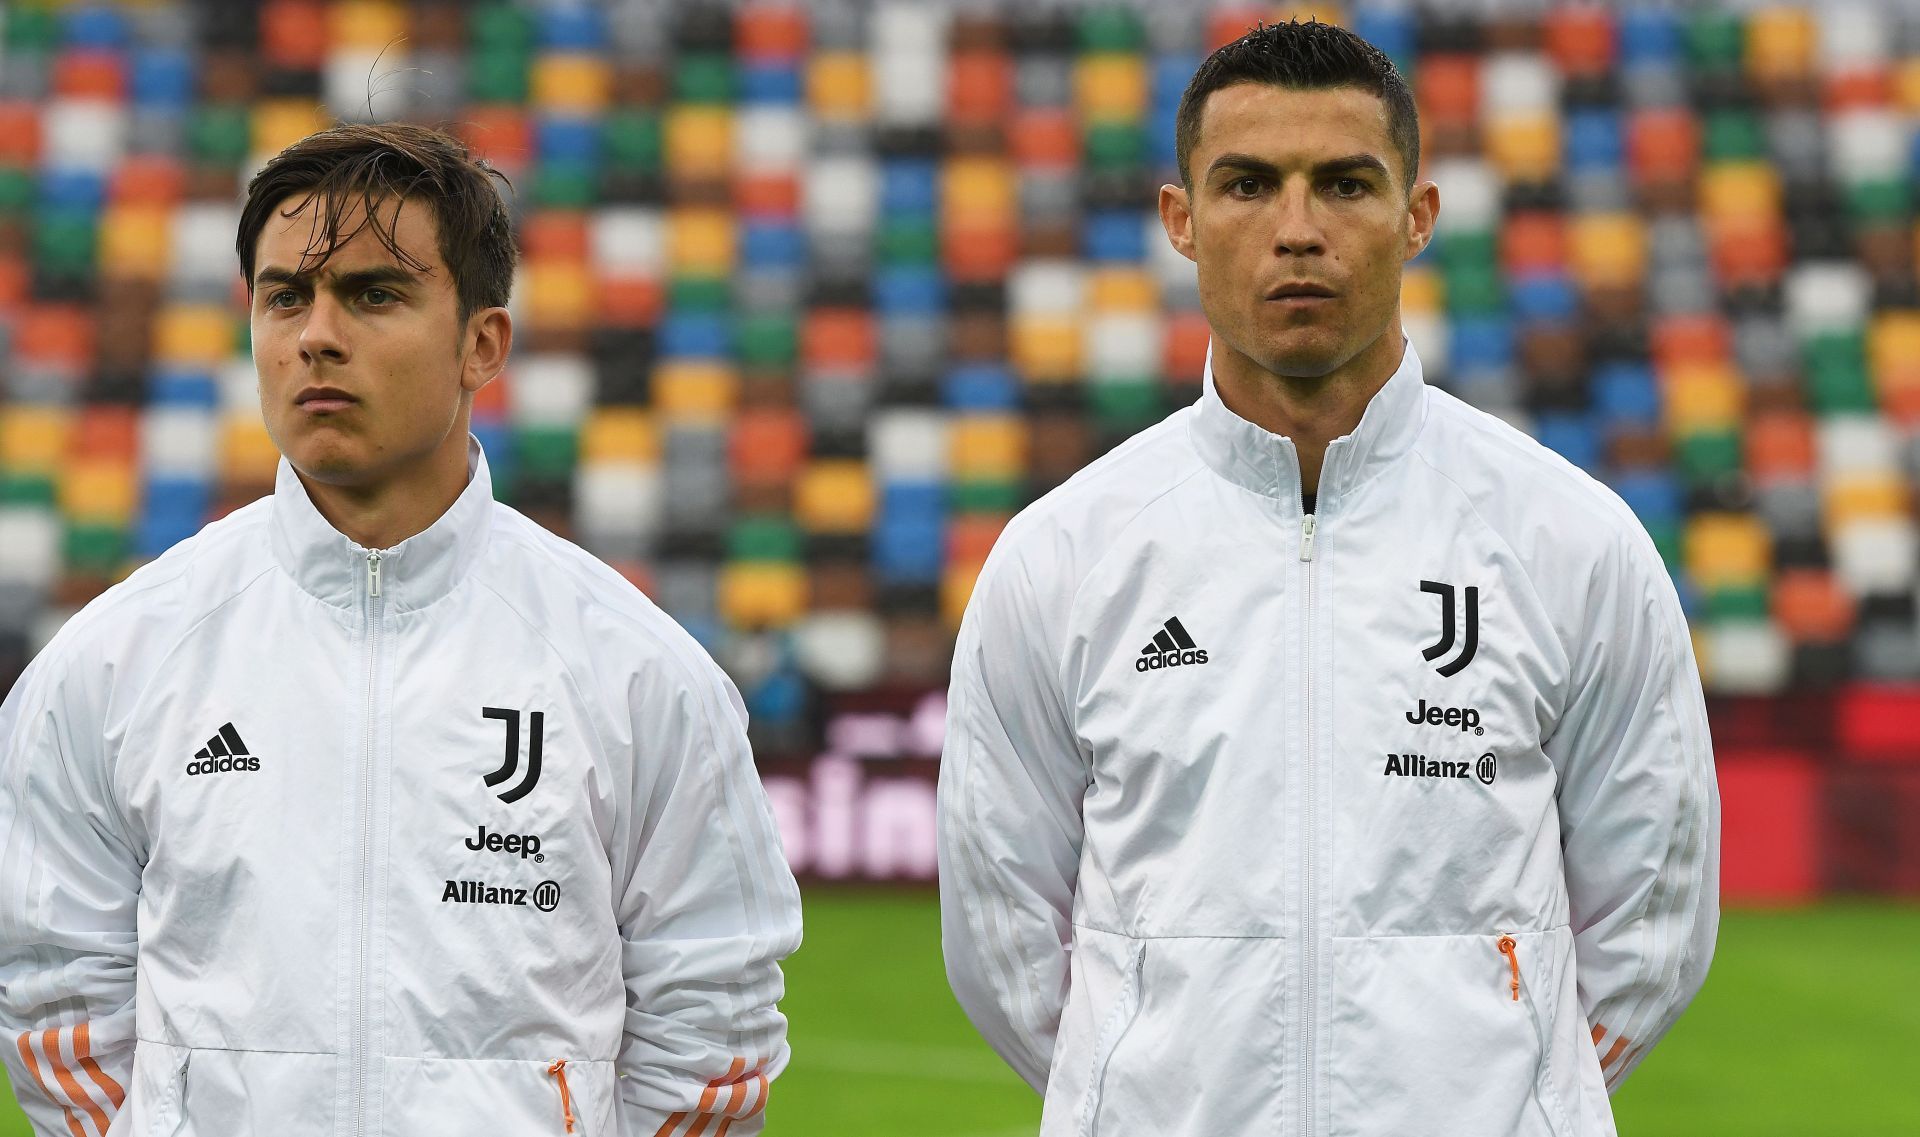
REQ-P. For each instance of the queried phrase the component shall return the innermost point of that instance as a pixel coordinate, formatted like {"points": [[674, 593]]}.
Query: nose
{"points": [[1296, 229], [322, 338]]}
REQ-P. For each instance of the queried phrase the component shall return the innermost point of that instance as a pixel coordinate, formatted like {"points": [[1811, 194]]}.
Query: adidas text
{"points": [[480, 892], [1465, 718], [1169, 659], [525, 844], [222, 765], [1418, 766]]}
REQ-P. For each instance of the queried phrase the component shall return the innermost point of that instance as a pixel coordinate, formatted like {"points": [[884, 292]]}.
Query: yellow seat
{"points": [[1046, 349], [760, 594], [136, 242], [840, 86], [700, 242], [1110, 87], [1608, 249], [1525, 147], [33, 439], [194, 334], [956, 588], [1422, 290], [99, 491], [1854, 497], [247, 453], [1702, 396], [559, 295], [573, 82], [1725, 550], [987, 446], [1739, 193], [1780, 42], [1906, 85], [1893, 339], [619, 434], [834, 495], [1122, 290], [695, 390], [367, 24], [279, 123], [978, 191], [698, 140]]}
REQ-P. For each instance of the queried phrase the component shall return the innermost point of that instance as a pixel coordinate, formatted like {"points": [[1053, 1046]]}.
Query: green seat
{"points": [[987, 495], [1836, 373], [1114, 147], [219, 134], [765, 537], [630, 140], [1469, 249], [31, 29], [565, 185], [700, 293], [1126, 404], [1888, 199], [767, 340], [1716, 40], [1738, 602], [16, 190], [703, 77], [1111, 28], [64, 241], [546, 453], [498, 75], [1734, 135], [499, 27], [1666, 539], [1475, 291], [95, 549], [26, 489], [1709, 455], [908, 241]]}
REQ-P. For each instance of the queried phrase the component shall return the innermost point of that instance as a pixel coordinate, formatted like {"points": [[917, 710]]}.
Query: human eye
{"points": [[1246, 187], [378, 297], [1348, 187], [275, 297]]}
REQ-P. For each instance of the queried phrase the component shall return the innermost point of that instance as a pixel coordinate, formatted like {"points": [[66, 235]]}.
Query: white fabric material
{"points": [[296, 947], [1264, 891]]}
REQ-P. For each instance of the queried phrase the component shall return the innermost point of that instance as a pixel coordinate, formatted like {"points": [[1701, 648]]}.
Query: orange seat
{"points": [[1780, 445], [698, 140], [147, 179], [1183, 346], [247, 454], [105, 432], [1229, 23], [1580, 39], [1736, 192], [1694, 338], [956, 589], [979, 87], [1533, 241], [1749, 253], [293, 34], [628, 301], [1811, 606], [970, 537], [1525, 147], [59, 335], [1858, 88], [832, 338], [554, 235], [978, 191], [1044, 137], [136, 242], [498, 132], [89, 74], [978, 253], [763, 193], [1851, 497], [490, 402], [1906, 85], [19, 134], [1447, 88], [1663, 144], [767, 445], [15, 283], [770, 32]]}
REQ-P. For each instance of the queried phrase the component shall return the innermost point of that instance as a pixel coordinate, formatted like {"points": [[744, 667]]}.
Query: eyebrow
{"points": [[1332, 166], [352, 281]]}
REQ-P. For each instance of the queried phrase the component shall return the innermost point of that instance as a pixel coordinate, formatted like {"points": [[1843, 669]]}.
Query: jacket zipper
{"points": [[357, 1040], [1119, 1022], [1542, 1071], [1310, 868]]}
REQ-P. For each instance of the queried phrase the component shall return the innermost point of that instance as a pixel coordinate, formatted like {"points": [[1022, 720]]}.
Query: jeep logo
{"points": [[525, 844], [1460, 718]]}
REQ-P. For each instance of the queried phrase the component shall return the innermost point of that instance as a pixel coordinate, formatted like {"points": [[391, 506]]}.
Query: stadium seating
{"points": [[815, 297]]}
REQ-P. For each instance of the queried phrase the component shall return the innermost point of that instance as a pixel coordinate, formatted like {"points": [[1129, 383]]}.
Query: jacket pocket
{"points": [[1445, 1036], [170, 1110], [1119, 1021], [497, 1095]]}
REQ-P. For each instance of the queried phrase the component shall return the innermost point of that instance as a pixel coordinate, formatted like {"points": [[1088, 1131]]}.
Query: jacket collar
{"points": [[413, 574], [1266, 463]]}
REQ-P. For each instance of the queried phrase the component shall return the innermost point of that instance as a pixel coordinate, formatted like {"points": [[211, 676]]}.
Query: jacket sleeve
{"points": [[1012, 780], [69, 884], [707, 909], [1639, 812]]}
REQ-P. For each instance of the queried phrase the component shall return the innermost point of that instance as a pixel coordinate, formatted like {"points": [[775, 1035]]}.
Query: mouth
{"points": [[323, 400], [1302, 292]]}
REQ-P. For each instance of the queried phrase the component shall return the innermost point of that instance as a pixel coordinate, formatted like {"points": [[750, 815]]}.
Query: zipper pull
{"points": [[373, 573], [1507, 946], [1306, 536]]}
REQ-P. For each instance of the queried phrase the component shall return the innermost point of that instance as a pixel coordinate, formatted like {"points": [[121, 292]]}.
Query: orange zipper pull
{"points": [[1507, 947], [559, 1070]]}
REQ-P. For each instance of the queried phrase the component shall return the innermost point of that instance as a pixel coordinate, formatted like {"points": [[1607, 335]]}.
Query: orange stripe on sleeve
{"points": [[766, 1091], [1613, 1051], [50, 1046], [1599, 1033], [83, 1050], [669, 1125]]}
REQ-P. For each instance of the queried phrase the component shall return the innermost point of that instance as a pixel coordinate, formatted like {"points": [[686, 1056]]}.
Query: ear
{"points": [[1423, 210], [489, 339], [1176, 217]]}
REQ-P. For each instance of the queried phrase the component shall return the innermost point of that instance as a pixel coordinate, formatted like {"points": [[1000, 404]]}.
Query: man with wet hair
{"points": [[374, 807], [1329, 760]]}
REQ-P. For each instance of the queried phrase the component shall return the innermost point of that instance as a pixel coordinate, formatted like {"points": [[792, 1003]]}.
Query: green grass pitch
{"points": [[1809, 1026]]}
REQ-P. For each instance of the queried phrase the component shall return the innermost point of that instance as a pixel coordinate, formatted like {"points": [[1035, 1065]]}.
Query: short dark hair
{"points": [[371, 164], [1302, 56]]}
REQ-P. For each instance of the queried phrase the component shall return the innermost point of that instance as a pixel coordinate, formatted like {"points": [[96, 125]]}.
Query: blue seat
{"points": [[1543, 296], [1594, 140], [909, 535], [171, 510], [1626, 394], [781, 697], [1389, 28], [1654, 495], [1480, 343], [94, 26], [909, 187], [769, 83], [981, 387], [1649, 35], [1573, 436], [695, 335], [1114, 235], [567, 138], [772, 244], [73, 189], [170, 388], [909, 290], [570, 26], [496, 438], [160, 78]]}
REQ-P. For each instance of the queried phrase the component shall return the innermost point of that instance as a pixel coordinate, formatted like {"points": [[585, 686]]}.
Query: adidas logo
{"points": [[223, 752], [1171, 647]]}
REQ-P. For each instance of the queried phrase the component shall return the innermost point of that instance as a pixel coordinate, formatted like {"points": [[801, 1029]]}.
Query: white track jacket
{"points": [[1397, 820], [299, 838]]}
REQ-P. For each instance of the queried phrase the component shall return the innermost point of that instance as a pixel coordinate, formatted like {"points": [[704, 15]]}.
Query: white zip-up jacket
{"points": [[1397, 819], [299, 838]]}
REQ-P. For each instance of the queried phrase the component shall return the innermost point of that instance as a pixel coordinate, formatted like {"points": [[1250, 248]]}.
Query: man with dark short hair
{"points": [[1328, 760], [374, 807]]}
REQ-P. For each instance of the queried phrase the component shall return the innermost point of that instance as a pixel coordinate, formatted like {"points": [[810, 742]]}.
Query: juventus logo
{"points": [[512, 763], [1448, 627]]}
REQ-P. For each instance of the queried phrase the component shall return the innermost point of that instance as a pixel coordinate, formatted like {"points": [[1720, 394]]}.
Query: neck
{"points": [[381, 514], [1312, 411]]}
